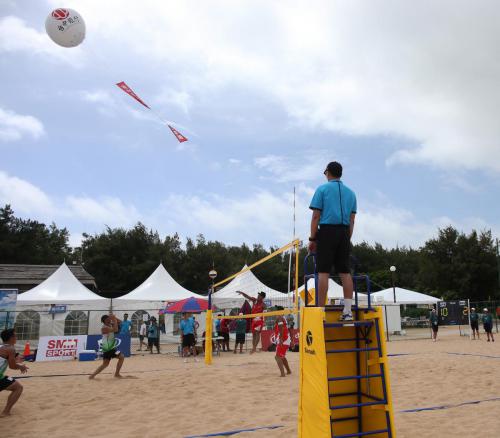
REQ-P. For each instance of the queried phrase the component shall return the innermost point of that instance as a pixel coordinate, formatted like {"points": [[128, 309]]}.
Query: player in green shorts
{"points": [[109, 351], [8, 360]]}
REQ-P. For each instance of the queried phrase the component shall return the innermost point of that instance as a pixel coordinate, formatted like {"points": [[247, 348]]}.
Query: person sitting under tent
{"points": [[8, 360], [257, 322]]}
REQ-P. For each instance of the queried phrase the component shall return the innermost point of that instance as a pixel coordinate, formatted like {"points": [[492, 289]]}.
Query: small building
{"points": [[26, 277]]}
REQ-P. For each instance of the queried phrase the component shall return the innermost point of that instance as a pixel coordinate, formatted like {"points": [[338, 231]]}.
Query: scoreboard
{"points": [[453, 312]]}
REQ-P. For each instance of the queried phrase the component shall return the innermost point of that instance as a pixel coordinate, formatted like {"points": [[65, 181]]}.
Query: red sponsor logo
{"points": [[61, 347], [60, 14]]}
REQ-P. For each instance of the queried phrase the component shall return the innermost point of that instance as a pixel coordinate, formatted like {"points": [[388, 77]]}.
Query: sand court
{"points": [[164, 397]]}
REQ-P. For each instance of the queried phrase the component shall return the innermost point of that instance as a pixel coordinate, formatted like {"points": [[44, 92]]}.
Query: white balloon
{"points": [[65, 27]]}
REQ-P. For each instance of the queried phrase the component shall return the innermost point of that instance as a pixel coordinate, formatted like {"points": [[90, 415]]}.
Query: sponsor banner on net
{"points": [[60, 347]]}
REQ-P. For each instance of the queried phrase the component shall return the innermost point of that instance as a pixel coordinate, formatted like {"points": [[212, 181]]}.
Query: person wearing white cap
{"points": [[488, 324], [241, 331], [474, 323]]}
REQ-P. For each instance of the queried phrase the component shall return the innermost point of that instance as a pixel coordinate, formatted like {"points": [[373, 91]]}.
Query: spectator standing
{"points": [[153, 336], [488, 324], [142, 335], [241, 332], [433, 318], [125, 325], [474, 323], [187, 329]]}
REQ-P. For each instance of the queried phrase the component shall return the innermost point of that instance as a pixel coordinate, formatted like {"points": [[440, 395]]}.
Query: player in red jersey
{"points": [[282, 340], [258, 306]]}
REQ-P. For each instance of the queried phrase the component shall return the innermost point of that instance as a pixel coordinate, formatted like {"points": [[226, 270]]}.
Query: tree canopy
{"points": [[451, 265]]}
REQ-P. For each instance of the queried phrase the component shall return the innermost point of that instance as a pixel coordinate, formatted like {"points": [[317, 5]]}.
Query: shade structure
{"points": [[247, 282], [191, 305], [62, 287], [159, 286], [403, 296]]}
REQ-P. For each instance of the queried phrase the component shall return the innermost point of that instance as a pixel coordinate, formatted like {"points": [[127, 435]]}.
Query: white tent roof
{"points": [[335, 290], [61, 287], [403, 296], [248, 283], [159, 286]]}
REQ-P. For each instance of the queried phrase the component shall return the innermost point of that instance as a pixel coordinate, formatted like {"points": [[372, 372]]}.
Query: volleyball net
{"points": [[276, 275]]}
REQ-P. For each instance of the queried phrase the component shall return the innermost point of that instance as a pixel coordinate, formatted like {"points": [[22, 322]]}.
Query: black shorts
{"points": [[111, 354], [333, 249], [6, 382], [153, 342], [225, 336], [188, 341], [141, 338], [474, 325], [435, 327], [487, 328], [240, 338]]}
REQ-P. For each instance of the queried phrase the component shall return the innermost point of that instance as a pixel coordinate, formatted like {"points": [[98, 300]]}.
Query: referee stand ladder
{"points": [[344, 379]]}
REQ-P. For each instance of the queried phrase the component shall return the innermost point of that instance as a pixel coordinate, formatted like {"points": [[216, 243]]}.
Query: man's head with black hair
{"points": [[8, 336]]}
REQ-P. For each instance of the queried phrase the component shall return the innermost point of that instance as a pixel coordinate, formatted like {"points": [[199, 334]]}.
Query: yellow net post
{"points": [[208, 338]]}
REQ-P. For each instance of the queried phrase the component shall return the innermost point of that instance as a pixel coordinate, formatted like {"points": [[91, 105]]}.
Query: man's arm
{"points": [[351, 224], [314, 229], [11, 359], [247, 296], [280, 326]]}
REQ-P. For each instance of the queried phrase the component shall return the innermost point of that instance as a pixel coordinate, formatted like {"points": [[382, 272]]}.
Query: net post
{"points": [[208, 338]]}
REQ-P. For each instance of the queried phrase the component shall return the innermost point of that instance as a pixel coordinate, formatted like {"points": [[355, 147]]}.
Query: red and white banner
{"points": [[60, 347], [177, 134], [129, 91]]}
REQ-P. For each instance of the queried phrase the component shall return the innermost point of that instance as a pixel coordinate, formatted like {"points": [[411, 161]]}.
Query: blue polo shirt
{"points": [[187, 326], [336, 202]]}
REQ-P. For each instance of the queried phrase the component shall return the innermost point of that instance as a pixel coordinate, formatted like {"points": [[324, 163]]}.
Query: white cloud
{"points": [[295, 168], [425, 73], [14, 126], [17, 36], [24, 196], [176, 98], [106, 210]]}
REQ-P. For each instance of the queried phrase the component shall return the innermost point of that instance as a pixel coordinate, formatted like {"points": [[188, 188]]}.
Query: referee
{"points": [[332, 224]]}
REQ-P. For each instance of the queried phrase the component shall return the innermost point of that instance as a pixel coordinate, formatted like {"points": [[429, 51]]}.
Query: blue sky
{"points": [[405, 98]]}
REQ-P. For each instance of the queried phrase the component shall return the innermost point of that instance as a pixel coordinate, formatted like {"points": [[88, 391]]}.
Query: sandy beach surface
{"points": [[164, 397]]}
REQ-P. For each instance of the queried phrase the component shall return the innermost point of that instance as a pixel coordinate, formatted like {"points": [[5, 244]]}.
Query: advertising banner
{"points": [[52, 348], [8, 299]]}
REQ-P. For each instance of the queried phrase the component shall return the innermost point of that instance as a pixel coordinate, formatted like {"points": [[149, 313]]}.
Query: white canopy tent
{"points": [[403, 296], [152, 295], [159, 287], [228, 296], [62, 287], [83, 307]]}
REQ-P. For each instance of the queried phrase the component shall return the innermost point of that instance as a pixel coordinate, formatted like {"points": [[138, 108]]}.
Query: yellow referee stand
{"points": [[344, 380]]}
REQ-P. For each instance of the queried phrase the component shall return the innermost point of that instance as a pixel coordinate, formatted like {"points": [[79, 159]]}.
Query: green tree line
{"points": [[451, 265]]}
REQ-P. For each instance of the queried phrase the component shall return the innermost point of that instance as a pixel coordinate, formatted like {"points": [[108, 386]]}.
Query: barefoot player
{"points": [[282, 337], [8, 360], [257, 322], [109, 351]]}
